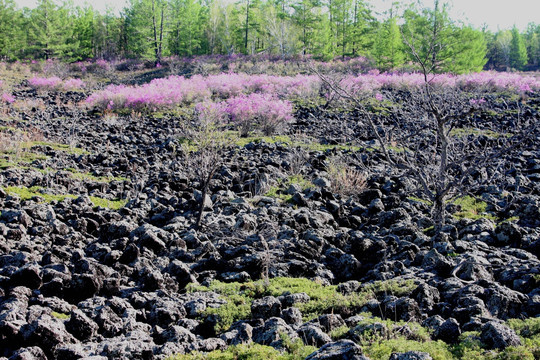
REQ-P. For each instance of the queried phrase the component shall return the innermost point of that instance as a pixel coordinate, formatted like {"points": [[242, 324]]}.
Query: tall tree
{"points": [[532, 39], [388, 48], [12, 37], [84, 32], [145, 28], [518, 51], [188, 26], [433, 41], [51, 31]]}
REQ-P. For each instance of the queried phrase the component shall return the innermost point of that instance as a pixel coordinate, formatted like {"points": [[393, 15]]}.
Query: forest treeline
{"points": [[325, 29]]}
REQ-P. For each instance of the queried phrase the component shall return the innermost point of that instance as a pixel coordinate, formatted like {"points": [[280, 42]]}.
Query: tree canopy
{"points": [[325, 29]]}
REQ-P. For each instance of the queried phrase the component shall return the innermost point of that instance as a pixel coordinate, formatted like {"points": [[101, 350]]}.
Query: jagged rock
{"points": [[313, 335], [81, 326], [29, 353], [448, 331], [498, 336], [411, 355], [272, 331], [339, 350], [266, 307]]}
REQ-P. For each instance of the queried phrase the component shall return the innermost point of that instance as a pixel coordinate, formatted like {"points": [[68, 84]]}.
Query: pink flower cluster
{"points": [[40, 83], [490, 81], [73, 84], [8, 98], [477, 102], [55, 83], [258, 111], [176, 91]]}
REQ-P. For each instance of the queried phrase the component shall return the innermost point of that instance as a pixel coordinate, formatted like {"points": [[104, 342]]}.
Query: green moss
{"points": [[108, 204], [278, 191], [87, 176], [339, 333], [463, 132], [60, 315], [323, 299], [527, 328], [420, 200], [56, 146], [25, 193], [472, 209], [381, 350], [247, 352], [393, 287], [28, 193]]}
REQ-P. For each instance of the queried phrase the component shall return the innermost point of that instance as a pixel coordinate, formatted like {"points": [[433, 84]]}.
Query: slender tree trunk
{"points": [[247, 27]]}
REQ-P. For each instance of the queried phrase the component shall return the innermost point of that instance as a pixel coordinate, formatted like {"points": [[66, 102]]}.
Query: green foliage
{"points": [[283, 184], [323, 299], [518, 50], [463, 132], [12, 36], [249, 352], [471, 208], [25, 193], [437, 44], [383, 349], [388, 49], [51, 31], [56, 146]]}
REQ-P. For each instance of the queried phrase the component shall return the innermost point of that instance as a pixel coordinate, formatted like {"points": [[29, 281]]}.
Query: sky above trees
{"points": [[496, 14]]}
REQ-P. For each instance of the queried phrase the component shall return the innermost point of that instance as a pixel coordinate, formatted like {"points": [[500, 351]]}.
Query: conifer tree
{"points": [[518, 51], [12, 37], [51, 31]]}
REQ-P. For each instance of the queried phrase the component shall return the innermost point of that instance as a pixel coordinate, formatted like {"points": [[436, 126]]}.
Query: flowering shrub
{"points": [[259, 110], [73, 84], [55, 83], [176, 91], [51, 83], [211, 112], [8, 98], [490, 81]]}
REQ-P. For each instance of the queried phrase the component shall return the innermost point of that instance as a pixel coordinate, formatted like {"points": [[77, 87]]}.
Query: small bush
{"points": [[344, 179], [45, 84], [259, 111]]}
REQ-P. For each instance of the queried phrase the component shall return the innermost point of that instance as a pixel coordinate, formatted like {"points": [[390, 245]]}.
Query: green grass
{"points": [[25, 193], [55, 146], [472, 209], [307, 144], [251, 352], [463, 132], [277, 191], [323, 299]]}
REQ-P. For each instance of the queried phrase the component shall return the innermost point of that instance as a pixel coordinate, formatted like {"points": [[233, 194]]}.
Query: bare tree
{"points": [[205, 149]]}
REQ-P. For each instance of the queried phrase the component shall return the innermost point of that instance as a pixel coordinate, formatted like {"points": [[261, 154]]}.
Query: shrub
{"points": [[259, 110], [45, 84], [7, 98], [73, 84], [344, 179]]}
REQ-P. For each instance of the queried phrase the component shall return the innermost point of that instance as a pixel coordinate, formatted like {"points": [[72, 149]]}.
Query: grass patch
{"points": [[55, 146], [251, 352], [472, 209], [323, 299], [25, 193], [87, 176], [277, 191], [463, 132]]}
